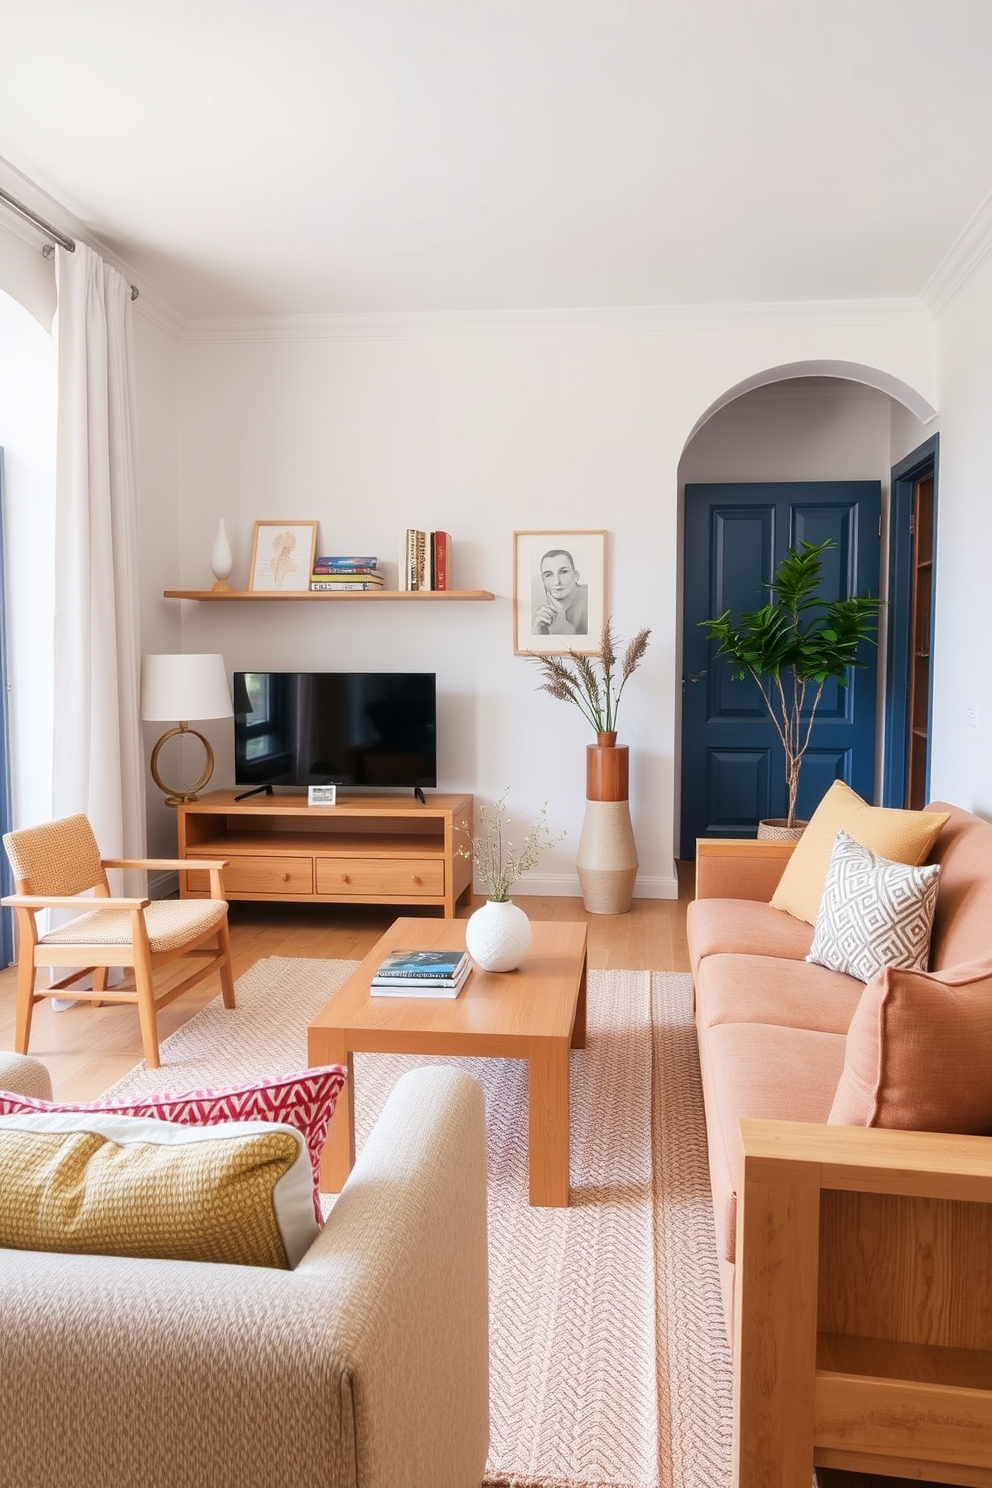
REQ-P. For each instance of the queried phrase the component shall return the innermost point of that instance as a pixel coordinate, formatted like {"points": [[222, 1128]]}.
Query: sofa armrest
{"points": [[22, 1075], [365, 1367], [862, 1316], [739, 867], [418, 1320]]}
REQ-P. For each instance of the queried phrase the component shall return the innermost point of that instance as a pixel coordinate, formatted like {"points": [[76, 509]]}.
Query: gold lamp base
{"points": [[177, 795]]}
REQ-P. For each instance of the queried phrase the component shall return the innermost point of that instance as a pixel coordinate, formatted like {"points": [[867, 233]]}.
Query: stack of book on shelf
{"points": [[425, 559], [345, 573], [421, 974]]}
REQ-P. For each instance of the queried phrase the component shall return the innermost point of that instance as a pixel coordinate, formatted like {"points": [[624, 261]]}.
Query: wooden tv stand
{"points": [[364, 850]]}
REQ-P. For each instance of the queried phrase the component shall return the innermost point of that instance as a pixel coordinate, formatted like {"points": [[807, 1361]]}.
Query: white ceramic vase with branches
{"points": [[498, 935]]}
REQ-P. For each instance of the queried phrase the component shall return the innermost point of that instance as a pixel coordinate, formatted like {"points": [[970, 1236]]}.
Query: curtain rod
{"points": [[48, 229]]}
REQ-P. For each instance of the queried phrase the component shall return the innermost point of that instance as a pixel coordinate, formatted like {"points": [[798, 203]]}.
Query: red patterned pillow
{"points": [[305, 1101]]}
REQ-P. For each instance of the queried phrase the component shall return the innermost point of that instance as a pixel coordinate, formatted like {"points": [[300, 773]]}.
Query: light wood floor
{"points": [[87, 1049]]}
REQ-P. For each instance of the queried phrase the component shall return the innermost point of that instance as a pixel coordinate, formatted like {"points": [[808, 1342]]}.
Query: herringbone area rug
{"points": [[610, 1365]]}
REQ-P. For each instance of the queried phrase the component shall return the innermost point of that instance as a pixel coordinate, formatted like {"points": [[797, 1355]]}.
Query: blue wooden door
{"points": [[733, 770]]}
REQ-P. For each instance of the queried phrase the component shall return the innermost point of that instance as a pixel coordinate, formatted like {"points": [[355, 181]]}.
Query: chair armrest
{"points": [[180, 864], [936, 1165], [70, 901], [739, 867], [861, 1255]]}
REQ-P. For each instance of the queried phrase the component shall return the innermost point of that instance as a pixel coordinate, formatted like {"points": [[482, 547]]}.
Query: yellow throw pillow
{"points": [[900, 836], [100, 1184]]}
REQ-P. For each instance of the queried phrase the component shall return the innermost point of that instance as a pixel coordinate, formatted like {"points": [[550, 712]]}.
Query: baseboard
{"points": [[163, 885], [566, 886]]}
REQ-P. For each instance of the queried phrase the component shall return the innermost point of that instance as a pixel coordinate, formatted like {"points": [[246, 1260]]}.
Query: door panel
{"points": [[732, 759]]}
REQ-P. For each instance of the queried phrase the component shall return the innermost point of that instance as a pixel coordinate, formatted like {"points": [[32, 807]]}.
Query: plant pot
{"points": [[777, 829], [607, 770], [607, 856], [498, 935]]}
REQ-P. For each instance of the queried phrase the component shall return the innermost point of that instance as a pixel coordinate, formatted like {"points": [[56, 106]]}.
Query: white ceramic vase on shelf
{"points": [[221, 559], [498, 935]]}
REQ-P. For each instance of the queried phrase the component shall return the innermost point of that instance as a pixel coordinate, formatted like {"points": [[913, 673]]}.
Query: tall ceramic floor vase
{"points": [[498, 935], [607, 856]]}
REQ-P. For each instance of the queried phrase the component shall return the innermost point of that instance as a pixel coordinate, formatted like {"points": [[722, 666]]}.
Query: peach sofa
{"points": [[855, 1261]]}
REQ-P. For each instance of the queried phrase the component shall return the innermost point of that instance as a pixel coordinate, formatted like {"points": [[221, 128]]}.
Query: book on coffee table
{"points": [[421, 974], [422, 965], [420, 986]]}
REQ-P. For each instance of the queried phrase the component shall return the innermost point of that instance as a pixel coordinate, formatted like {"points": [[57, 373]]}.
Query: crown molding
{"points": [[156, 309], [150, 305], [964, 258], [633, 320]]}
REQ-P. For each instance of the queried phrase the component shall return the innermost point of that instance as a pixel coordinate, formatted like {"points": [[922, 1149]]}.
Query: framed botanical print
{"points": [[559, 591], [282, 555]]}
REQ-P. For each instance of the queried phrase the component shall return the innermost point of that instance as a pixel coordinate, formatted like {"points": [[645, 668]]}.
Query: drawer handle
{"points": [[284, 877], [416, 879], [345, 878]]}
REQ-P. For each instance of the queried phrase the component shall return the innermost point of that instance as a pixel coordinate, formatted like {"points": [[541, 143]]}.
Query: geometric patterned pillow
{"points": [[873, 913], [305, 1101]]}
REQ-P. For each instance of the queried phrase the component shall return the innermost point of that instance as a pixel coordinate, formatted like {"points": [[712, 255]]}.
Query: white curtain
{"points": [[98, 762]]}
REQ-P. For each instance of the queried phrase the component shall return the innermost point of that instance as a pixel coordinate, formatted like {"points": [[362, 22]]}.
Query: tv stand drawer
{"points": [[261, 875], [388, 876]]}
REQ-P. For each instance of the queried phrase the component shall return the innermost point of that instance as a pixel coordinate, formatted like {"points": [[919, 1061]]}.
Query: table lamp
{"points": [[179, 688]]}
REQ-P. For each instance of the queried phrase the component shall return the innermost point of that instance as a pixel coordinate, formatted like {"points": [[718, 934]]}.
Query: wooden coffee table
{"points": [[536, 1013]]}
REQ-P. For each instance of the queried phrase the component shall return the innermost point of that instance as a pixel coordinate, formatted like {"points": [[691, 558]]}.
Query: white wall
{"points": [[156, 357], [482, 426], [962, 754]]}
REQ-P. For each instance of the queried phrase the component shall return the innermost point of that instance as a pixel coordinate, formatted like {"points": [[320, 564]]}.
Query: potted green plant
{"points": [[792, 647]]}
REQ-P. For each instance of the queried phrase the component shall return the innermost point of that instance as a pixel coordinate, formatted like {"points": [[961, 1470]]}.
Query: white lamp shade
{"points": [[178, 688]]}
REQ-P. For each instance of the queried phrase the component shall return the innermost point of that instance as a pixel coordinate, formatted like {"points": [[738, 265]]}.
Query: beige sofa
{"points": [[366, 1367], [855, 1261]]}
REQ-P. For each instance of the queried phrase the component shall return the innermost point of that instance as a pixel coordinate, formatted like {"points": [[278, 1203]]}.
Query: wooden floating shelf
{"points": [[322, 594]]}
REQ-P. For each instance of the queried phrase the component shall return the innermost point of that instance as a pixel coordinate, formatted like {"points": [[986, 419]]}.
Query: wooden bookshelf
{"points": [[323, 594]]}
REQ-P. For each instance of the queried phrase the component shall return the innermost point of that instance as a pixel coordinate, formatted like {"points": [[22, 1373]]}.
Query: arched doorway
{"points": [[804, 423]]}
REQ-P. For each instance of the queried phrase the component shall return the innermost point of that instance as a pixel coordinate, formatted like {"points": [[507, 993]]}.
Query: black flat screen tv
{"points": [[376, 729]]}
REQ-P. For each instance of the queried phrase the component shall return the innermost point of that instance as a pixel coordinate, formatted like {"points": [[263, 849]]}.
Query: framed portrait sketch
{"points": [[282, 555], [559, 591]]}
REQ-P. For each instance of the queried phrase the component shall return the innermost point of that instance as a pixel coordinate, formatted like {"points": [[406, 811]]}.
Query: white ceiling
{"points": [[309, 156]]}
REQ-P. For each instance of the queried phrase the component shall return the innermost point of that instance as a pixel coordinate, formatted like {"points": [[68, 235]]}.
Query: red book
{"points": [[440, 559]]}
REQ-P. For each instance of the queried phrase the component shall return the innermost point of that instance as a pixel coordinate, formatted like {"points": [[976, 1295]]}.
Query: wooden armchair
{"points": [[54, 866]]}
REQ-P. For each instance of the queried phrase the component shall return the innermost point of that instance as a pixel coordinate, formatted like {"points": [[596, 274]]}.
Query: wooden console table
{"points": [[365, 850]]}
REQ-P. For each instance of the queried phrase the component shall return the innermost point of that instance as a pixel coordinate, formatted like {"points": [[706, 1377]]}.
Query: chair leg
{"points": [[226, 966], [146, 1008], [99, 982], [26, 973]]}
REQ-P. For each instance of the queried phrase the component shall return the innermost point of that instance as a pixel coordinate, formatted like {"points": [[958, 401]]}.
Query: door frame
{"points": [[920, 462]]}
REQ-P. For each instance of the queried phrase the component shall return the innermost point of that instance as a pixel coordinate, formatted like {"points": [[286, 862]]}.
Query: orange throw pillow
{"points": [[919, 1052], [899, 836]]}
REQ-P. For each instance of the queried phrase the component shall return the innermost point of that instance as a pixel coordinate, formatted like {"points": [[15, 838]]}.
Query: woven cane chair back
{"points": [[61, 857]]}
